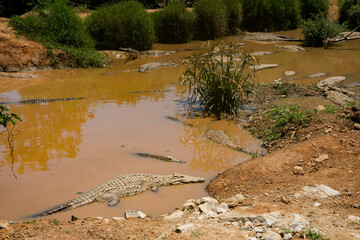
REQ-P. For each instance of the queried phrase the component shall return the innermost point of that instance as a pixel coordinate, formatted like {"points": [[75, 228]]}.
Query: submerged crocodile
{"points": [[160, 157], [43, 100], [121, 187]]}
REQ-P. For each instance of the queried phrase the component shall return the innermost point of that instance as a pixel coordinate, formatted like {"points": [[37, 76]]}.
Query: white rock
{"points": [[134, 214], [106, 220], [222, 208], [330, 81], [355, 235], [98, 218], [271, 218], [209, 209], [296, 222], [209, 199], [287, 236], [189, 206], [298, 170], [4, 224], [289, 73], [270, 235], [260, 53], [317, 192], [316, 204], [185, 228], [234, 200], [248, 224], [262, 66], [175, 215], [320, 108], [317, 75], [354, 219], [260, 229], [322, 158], [118, 218]]}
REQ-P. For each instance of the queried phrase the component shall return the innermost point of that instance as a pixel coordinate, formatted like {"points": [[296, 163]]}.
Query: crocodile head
{"points": [[177, 178]]}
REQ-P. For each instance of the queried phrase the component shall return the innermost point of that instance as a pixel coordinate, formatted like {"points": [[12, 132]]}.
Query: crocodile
{"points": [[120, 187], [43, 100], [162, 158]]}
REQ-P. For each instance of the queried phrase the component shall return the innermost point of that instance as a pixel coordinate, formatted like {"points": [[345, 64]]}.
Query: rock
{"points": [[316, 204], [270, 235], [331, 81], [190, 206], [291, 48], [287, 236], [98, 218], [106, 220], [18, 75], [261, 36], [298, 170], [355, 116], [271, 218], [134, 214], [261, 53], [175, 215], [222, 208], [285, 200], [157, 53], [357, 126], [338, 98], [317, 192], [210, 200], [295, 222], [260, 229], [248, 225], [356, 205], [322, 157], [320, 108], [316, 75], [185, 228], [234, 217], [289, 73], [209, 209], [4, 224], [118, 218], [263, 66], [234, 200], [354, 219], [154, 65]]}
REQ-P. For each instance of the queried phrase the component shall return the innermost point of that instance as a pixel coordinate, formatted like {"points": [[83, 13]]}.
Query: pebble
{"points": [[331, 81], [316, 204], [285, 200], [354, 219], [262, 66], [289, 73], [118, 218], [357, 126], [175, 215], [298, 170], [329, 130], [4, 224], [322, 158], [185, 228], [209, 209], [317, 75], [134, 214], [270, 235]]}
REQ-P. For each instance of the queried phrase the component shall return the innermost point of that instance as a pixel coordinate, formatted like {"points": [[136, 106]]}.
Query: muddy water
{"points": [[67, 147]]}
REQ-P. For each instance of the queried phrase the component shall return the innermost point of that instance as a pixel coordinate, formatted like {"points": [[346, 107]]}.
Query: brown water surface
{"points": [[74, 146]]}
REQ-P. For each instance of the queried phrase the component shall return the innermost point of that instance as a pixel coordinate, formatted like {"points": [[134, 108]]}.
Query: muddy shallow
{"points": [[67, 147]]}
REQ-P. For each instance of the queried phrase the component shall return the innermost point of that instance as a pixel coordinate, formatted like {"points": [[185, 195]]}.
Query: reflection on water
{"points": [[75, 146]]}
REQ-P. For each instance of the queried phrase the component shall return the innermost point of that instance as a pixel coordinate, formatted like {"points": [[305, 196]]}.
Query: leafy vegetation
{"points": [[210, 19], [217, 81], [354, 16], [125, 24], [344, 8], [318, 29], [234, 15], [174, 24], [60, 28], [314, 235], [271, 15], [310, 8]]}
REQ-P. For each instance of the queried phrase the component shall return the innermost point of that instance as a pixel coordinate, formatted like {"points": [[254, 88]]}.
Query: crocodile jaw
{"points": [[181, 179]]}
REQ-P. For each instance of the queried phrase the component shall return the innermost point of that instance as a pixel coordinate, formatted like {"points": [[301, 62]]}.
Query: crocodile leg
{"points": [[111, 198]]}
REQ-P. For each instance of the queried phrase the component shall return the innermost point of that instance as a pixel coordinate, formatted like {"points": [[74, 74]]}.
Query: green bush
{"points": [[216, 81], [271, 15], [60, 28], [354, 16], [310, 8], [174, 24], [318, 29], [234, 15], [125, 24], [210, 19], [344, 8]]}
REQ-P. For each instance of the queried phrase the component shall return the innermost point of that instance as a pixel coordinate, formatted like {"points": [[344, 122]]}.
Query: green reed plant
{"points": [[218, 79], [174, 24], [125, 24], [60, 28], [234, 15], [271, 15], [210, 19], [310, 8], [318, 29]]}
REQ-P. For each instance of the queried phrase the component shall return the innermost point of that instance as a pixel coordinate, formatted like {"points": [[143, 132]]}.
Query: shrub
{"points": [[59, 27], [271, 15], [216, 81], [319, 29], [354, 16], [210, 19], [234, 15], [310, 8], [125, 24], [174, 24], [344, 8]]}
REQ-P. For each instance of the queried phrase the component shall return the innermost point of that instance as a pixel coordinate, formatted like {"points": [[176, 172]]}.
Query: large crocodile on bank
{"points": [[43, 100], [121, 187]]}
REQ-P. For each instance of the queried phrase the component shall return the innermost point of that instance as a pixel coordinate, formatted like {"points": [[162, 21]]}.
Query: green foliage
{"points": [[217, 81], [310, 8], [354, 16], [55, 222], [125, 24], [271, 15], [331, 109], [173, 24], [314, 235], [210, 19], [60, 28], [318, 29], [6, 118], [234, 15], [344, 8]]}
